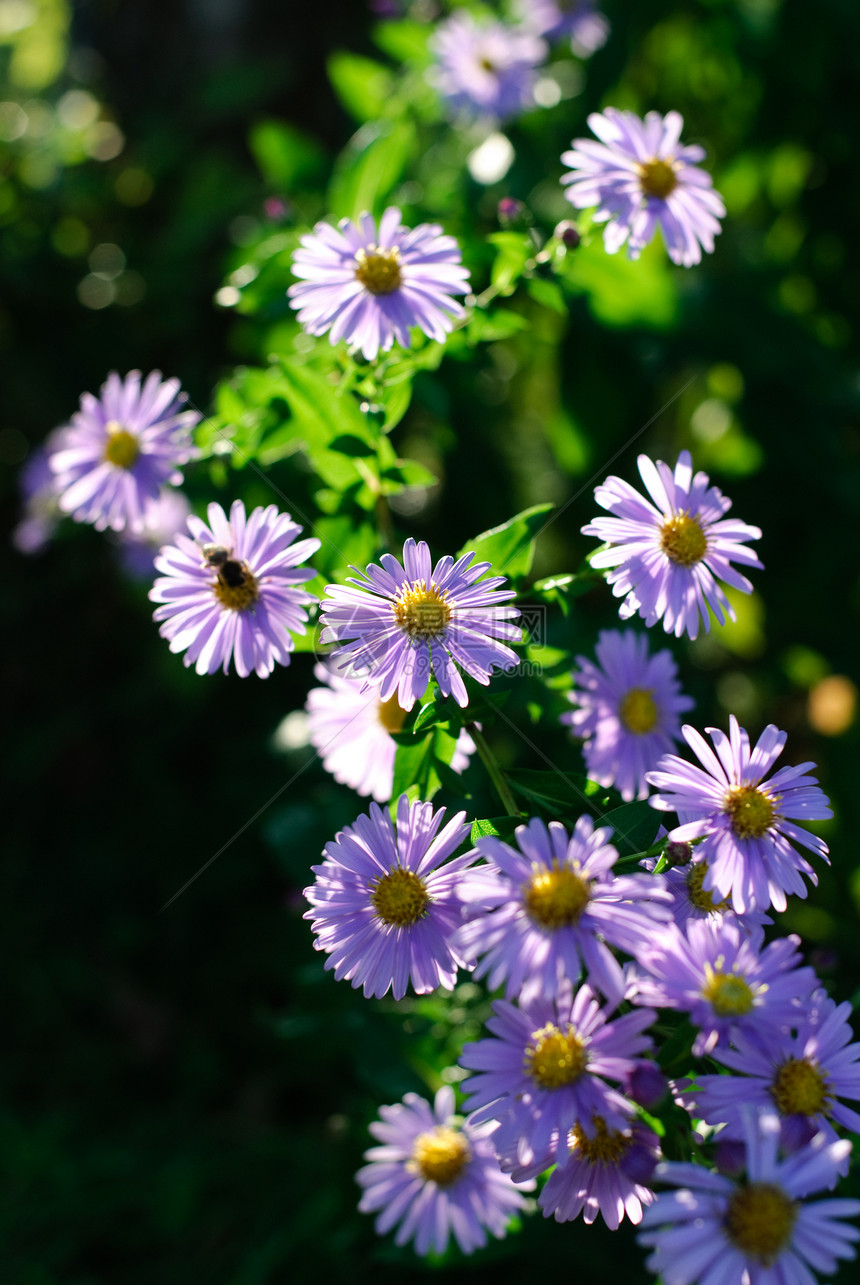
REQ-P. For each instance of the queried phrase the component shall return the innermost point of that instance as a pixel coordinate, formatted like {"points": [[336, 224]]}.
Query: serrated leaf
{"points": [[503, 828], [509, 548]]}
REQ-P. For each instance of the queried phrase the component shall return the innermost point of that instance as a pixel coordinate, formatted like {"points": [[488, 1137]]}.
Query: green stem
{"points": [[490, 762]]}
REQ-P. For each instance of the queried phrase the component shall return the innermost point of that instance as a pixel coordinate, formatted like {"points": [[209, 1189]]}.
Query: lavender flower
{"points": [[802, 1075], [691, 900], [485, 69], [403, 622], [352, 731], [232, 591], [384, 906], [545, 1071], [604, 1175], [370, 287], [435, 1175], [544, 911], [760, 1229], [640, 177], [581, 20], [726, 980], [163, 518], [667, 559], [120, 449], [627, 710], [747, 825], [38, 486]]}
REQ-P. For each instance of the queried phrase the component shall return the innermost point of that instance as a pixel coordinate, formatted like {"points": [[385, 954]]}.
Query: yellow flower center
{"points": [[239, 590], [750, 811], [379, 270], [555, 1058], [486, 64], [760, 1219], [728, 994], [607, 1147], [391, 715], [683, 540], [699, 898], [555, 898], [657, 178], [800, 1088], [421, 612], [441, 1155], [638, 710], [400, 898], [122, 448]]}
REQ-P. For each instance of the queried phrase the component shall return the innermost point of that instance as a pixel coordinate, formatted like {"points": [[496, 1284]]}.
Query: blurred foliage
{"points": [[185, 1094]]}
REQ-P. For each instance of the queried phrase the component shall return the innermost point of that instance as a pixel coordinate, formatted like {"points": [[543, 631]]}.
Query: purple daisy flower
{"points": [[121, 448], [640, 177], [691, 900], [756, 1230], [545, 1071], [581, 20], [435, 1175], [542, 912], [627, 710], [726, 980], [38, 487], [163, 519], [384, 906], [403, 622], [746, 824], [803, 1075], [485, 68], [667, 559], [605, 1175], [351, 728], [370, 287], [233, 590]]}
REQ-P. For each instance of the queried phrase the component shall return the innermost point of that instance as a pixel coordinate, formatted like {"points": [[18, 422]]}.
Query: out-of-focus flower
{"points": [[668, 557], [603, 1175], [580, 20], [232, 592], [627, 710], [121, 448], [351, 729], [370, 287], [163, 519], [435, 1175], [38, 487], [384, 904], [640, 177], [747, 825], [760, 1228], [403, 622], [485, 68]]}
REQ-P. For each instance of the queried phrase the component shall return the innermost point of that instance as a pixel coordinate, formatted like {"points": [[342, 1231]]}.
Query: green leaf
{"points": [[413, 766], [510, 547], [548, 294], [430, 715], [370, 166], [402, 39], [635, 826], [402, 474], [362, 85], [396, 403], [490, 327], [495, 827], [562, 794], [515, 249], [621, 292], [287, 157]]}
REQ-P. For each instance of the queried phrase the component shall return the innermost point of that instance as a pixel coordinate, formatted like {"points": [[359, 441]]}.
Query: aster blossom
{"points": [[403, 622], [667, 557], [351, 729], [728, 981], [371, 286], [802, 1075], [579, 20], [435, 1175], [690, 899], [230, 590], [627, 708], [542, 911], [37, 484], [760, 1229], [485, 68], [163, 518], [747, 824], [120, 448], [641, 177], [384, 904], [545, 1069]]}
